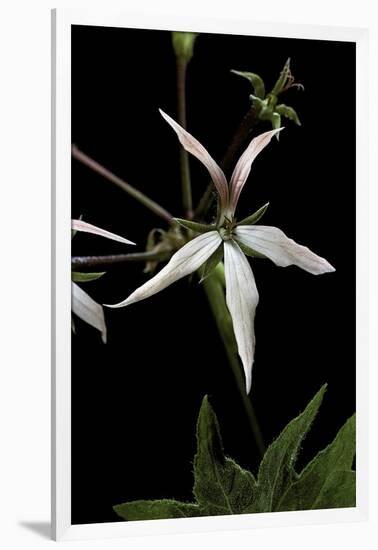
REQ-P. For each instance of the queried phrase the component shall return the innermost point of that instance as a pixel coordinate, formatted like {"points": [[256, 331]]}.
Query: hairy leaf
{"points": [[339, 491], [338, 456], [276, 472], [156, 509], [220, 485]]}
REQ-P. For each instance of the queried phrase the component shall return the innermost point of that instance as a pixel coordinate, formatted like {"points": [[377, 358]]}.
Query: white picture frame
{"points": [[62, 529]]}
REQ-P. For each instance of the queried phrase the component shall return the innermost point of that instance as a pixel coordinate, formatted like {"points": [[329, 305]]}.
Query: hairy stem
{"points": [[129, 189], [214, 288], [89, 262], [184, 157], [239, 139]]}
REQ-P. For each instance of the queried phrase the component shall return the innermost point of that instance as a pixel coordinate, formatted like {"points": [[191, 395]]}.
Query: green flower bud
{"points": [[265, 105], [183, 43]]}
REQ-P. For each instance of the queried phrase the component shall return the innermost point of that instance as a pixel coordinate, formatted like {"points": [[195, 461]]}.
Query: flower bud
{"points": [[183, 43]]}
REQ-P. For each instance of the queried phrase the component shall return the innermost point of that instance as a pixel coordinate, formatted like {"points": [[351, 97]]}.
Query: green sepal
{"points": [[276, 472], [288, 112], [194, 226], [220, 485], [156, 509], [208, 267], [79, 277], [256, 81], [253, 218], [276, 123], [249, 251], [308, 490]]}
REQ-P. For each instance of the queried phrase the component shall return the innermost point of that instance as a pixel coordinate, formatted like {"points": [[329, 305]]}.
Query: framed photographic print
{"points": [[210, 274]]}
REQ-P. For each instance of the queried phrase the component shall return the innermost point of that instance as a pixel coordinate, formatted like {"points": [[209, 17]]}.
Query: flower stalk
{"points": [[186, 186], [214, 286], [183, 44]]}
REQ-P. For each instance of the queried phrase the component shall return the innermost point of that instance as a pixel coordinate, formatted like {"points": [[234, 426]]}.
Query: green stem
{"points": [[214, 288], [129, 189], [184, 157]]}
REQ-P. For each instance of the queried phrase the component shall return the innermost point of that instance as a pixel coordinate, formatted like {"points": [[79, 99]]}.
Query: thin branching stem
{"points": [[79, 263], [129, 189]]}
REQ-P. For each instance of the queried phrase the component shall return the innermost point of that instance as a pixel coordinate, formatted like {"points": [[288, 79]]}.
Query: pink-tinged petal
{"points": [[193, 146], [242, 299], [188, 259], [88, 310], [79, 225], [273, 243], [243, 166]]}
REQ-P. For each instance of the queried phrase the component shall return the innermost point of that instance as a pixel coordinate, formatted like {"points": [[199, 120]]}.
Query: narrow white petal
{"points": [[243, 166], [273, 243], [193, 146], [88, 310], [242, 298], [189, 258], [79, 225]]}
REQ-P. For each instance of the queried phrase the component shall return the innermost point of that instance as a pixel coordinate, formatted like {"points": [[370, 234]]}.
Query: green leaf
{"points": [[156, 509], [194, 226], [288, 112], [256, 81], [339, 491], [338, 456], [79, 277], [208, 267], [276, 472], [253, 218], [220, 485]]}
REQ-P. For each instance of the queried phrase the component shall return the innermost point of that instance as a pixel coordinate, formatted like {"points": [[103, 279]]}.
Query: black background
{"points": [[136, 399]]}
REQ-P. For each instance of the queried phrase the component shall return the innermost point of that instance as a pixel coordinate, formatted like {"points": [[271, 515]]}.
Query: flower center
{"points": [[225, 233]]}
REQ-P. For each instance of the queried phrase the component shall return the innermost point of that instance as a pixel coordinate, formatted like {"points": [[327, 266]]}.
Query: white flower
{"points": [[241, 292], [82, 304]]}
